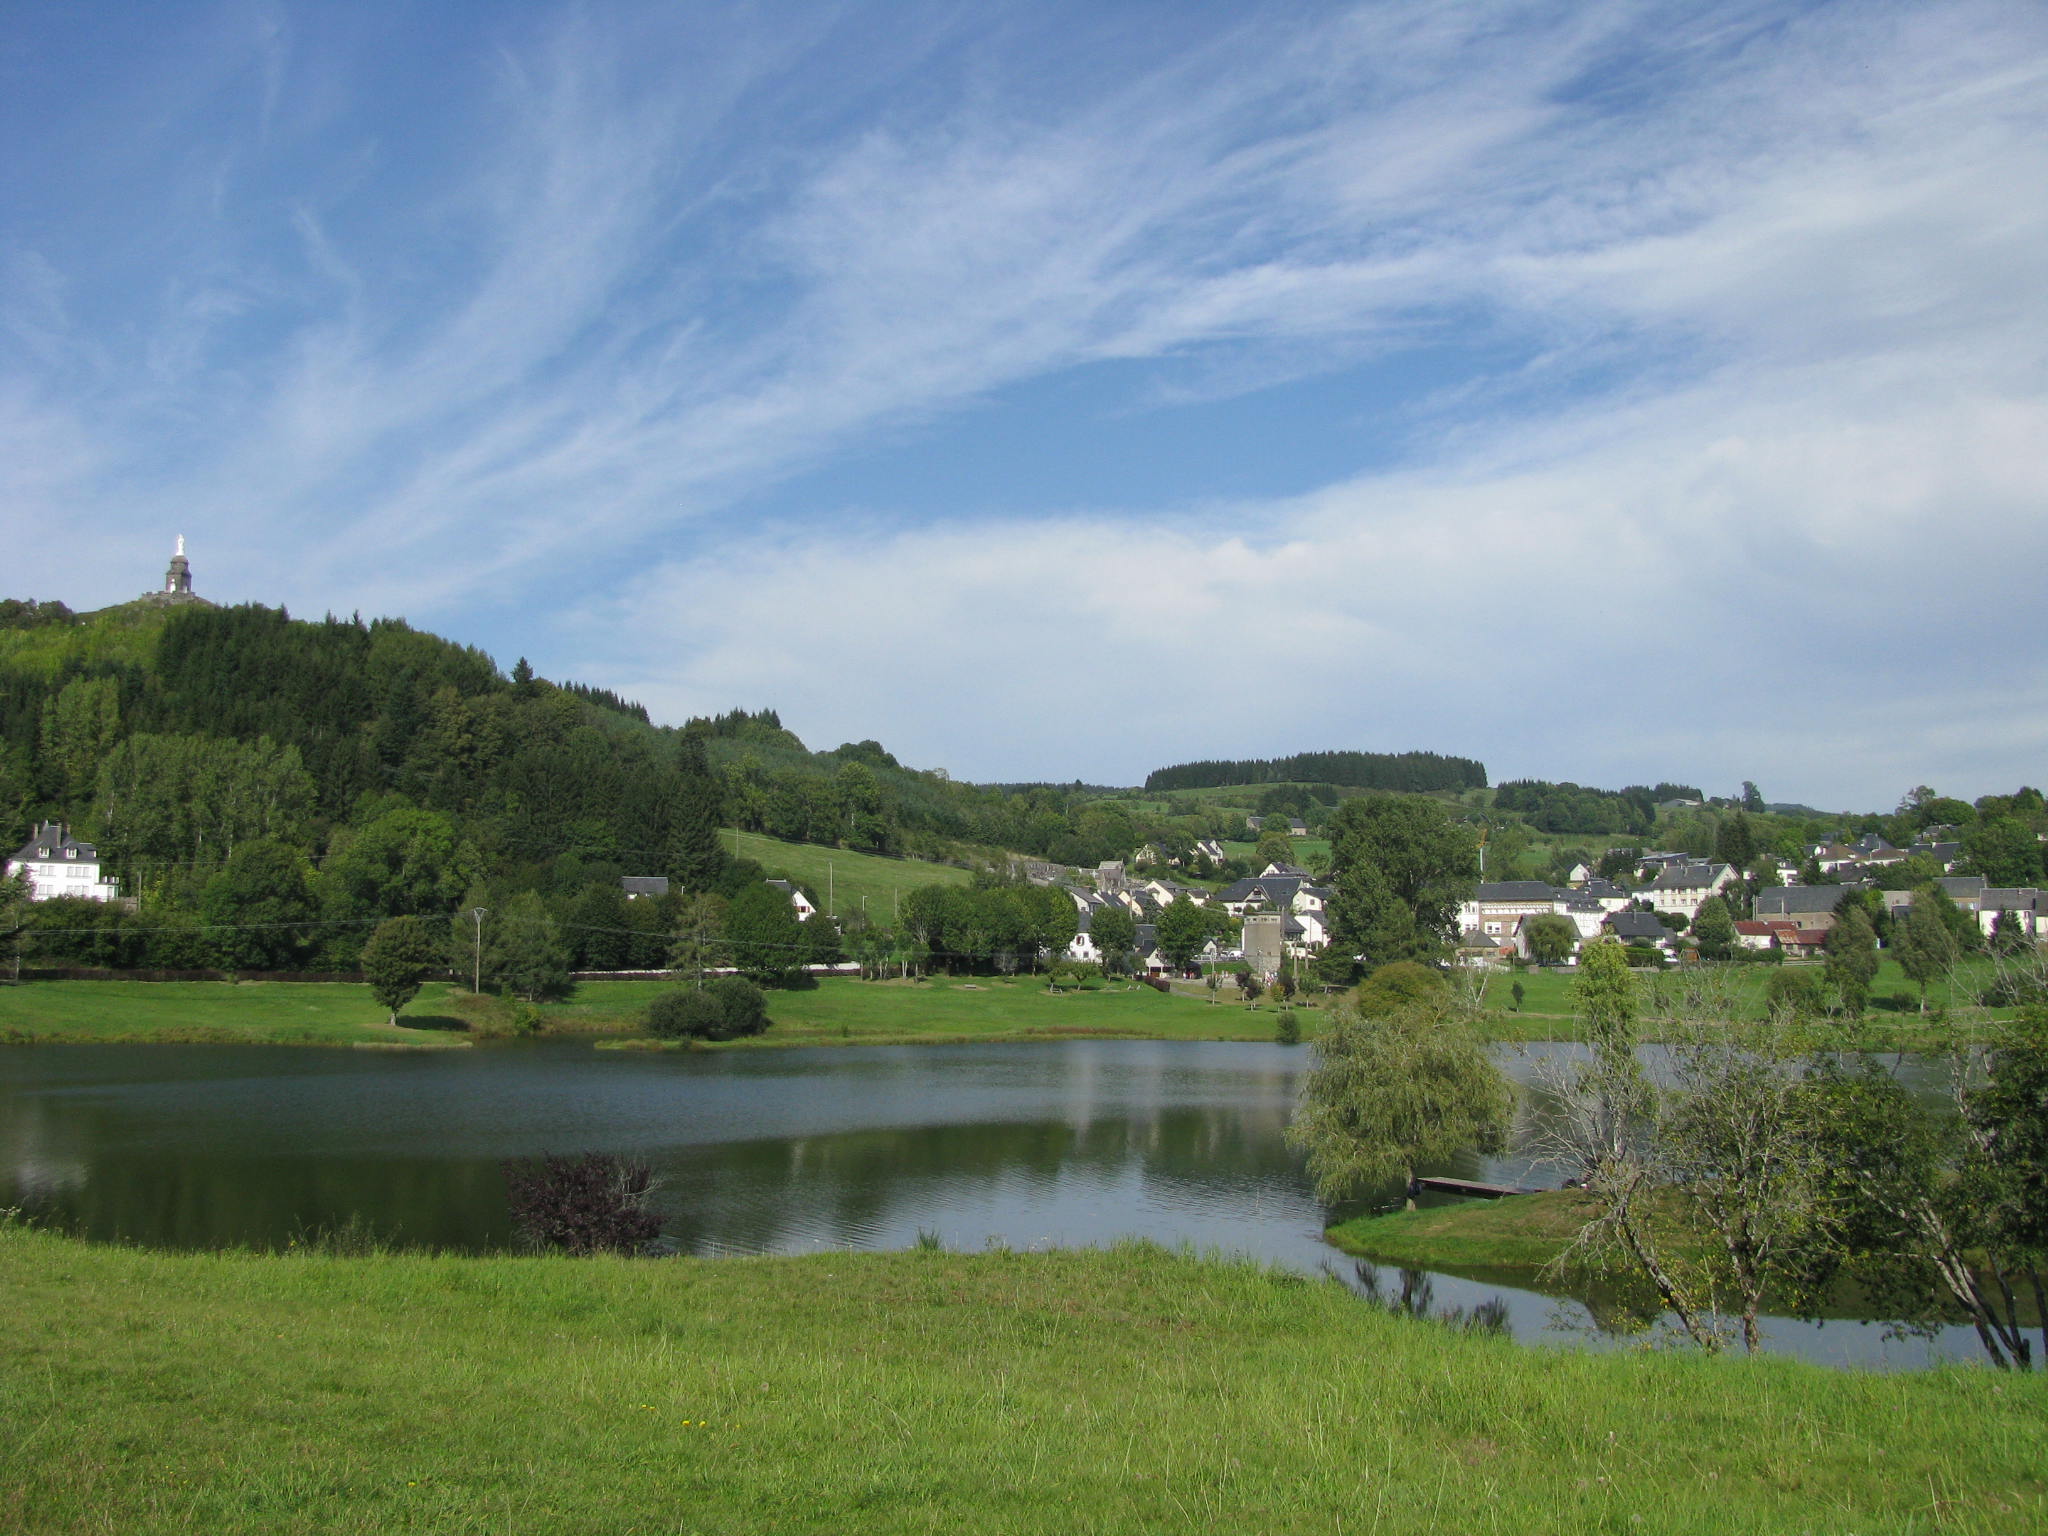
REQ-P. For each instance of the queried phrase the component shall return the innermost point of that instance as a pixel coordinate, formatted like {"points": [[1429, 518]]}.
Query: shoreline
{"points": [[836, 1011]]}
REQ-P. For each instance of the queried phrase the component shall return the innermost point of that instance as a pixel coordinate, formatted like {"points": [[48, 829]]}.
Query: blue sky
{"points": [[1614, 391]]}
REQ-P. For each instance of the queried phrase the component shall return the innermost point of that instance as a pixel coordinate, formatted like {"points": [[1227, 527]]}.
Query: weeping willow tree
{"points": [[1387, 1095]]}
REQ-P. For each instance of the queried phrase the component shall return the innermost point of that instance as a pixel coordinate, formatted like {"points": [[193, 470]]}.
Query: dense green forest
{"points": [[1408, 772], [269, 789]]}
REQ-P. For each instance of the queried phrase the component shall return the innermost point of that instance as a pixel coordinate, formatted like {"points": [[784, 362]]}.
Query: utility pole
{"points": [[476, 977], [831, 901]]}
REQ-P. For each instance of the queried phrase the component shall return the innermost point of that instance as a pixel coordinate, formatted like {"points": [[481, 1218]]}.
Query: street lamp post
{"points": [[476, 975]]}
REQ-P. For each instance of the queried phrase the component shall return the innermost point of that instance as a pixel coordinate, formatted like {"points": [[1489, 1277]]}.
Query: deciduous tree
{"points": [[1400, 867], [1550, 938], [1387, 1095], [397, 959]]}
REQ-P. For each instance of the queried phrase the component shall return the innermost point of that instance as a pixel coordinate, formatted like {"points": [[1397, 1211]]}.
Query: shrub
{"points": [[741, 1008], [723, 1009], [1288, 1028], [685, 1014], [1800, 993], [595, 1203]]}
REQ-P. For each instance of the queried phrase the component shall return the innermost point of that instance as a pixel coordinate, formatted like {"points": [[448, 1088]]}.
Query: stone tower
{"points": [[178, 579], [177, 587]]}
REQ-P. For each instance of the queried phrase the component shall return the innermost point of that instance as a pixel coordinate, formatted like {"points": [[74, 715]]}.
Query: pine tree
{"points": [[692, 855]]}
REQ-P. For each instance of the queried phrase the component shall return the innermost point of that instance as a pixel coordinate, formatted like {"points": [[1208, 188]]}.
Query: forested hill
{"points": [[1414, 772], [240, 769]]}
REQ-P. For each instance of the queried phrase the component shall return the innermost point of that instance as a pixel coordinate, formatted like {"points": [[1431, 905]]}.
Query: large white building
{"points": [[58, 864]]}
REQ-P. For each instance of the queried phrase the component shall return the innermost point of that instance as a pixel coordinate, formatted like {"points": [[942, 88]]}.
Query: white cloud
{"points": [[1770, 278], [1719, 588]]}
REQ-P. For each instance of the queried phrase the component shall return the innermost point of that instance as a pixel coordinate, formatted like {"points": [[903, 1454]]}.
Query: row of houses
{"points": [[1286, 911], [1494, 923]]}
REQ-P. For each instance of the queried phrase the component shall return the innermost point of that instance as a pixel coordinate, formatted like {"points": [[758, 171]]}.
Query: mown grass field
{"points": [[845, 1011], [221, 1012], [850, 877], [838, 1011], [1127, 1390]]}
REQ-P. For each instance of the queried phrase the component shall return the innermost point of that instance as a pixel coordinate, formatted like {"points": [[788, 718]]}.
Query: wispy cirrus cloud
{"points": [[1714, 296]]}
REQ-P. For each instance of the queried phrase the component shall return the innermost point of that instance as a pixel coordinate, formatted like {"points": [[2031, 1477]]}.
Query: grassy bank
{"points": [[842, 1011], [1521, 1234], [838, 1011], [223, 1012], [1128, 1390]]}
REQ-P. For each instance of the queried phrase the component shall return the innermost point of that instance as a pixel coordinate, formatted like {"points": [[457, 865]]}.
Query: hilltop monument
{"points": [[177, 587]]}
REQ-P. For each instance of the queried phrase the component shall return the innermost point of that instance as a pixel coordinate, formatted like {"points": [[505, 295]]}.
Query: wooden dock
{"points": [[1471, 1187]]}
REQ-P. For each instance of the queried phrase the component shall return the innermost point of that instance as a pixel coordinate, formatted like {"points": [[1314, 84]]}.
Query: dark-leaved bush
{"points": [[684, 1015], [742, 1009], [724, 1009], [594, 1203]]}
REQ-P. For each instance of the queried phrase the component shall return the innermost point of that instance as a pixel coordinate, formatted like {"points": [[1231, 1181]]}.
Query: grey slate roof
{"points": [[1962, 888], [2003, 898], [1641, 926], [1798, 900], [644, 885], [1674, 877], [1278, 890], [50, 840], [1516, 890]]}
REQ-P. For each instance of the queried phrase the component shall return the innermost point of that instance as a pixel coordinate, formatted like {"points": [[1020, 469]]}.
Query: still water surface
{"points": [[789, 1151]]}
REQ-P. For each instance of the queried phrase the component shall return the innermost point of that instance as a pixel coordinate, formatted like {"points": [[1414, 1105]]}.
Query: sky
{"points": [[1614, 391]]}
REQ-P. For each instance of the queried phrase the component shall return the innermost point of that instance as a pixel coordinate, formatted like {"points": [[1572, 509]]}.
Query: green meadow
{"points": [[845, 1011], [849, 878], [1126, 1390], [837, 1011], [223, 1012]]}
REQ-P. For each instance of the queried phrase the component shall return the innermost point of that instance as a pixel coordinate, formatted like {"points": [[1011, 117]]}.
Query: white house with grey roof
{"points": [[57, 864], [2023, 905], [1685, 888]]}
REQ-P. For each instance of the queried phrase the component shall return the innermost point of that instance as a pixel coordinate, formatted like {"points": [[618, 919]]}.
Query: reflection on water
{"points": [[1066, 1144]]}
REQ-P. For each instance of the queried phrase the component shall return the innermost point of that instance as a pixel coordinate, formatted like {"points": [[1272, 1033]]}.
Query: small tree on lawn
{"points": [[396, 961], [1851, 963], [1115, 933], [1923, 945], [699, 943], [524, 949], [1551, 938], [1714, 929]]}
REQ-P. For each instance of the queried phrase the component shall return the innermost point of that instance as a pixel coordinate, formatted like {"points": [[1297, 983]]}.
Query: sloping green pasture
{"points": [[849, 876]]}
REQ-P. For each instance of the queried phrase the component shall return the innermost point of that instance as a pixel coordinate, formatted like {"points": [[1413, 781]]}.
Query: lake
{"points": [[781, 1151]]}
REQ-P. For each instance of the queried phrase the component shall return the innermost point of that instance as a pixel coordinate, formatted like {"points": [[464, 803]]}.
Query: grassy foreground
{"points": [[1127, 1390]]}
